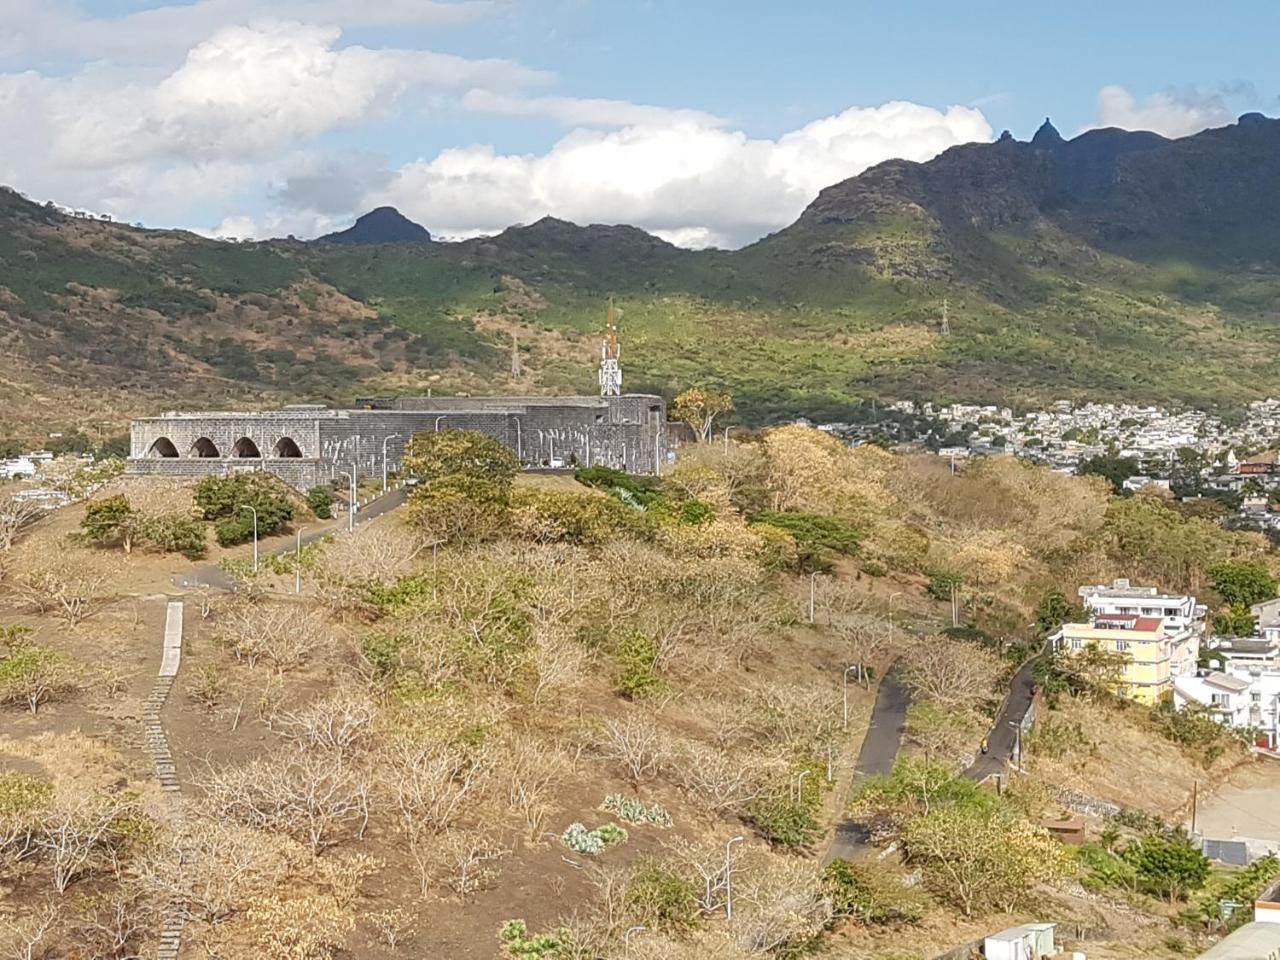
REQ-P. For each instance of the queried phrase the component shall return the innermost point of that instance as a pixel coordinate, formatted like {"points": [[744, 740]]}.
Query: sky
{"points": [[707, 122]]}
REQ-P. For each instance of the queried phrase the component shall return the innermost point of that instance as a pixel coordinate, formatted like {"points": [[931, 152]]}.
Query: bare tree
{"points": [[778, 902], [70, 589], [558, 662], [393, 928], [75, 831], [340, 723], [17, 515], [635, 743], [465, 860], [29, 937], [722, 782], [531, 772], [952, 673], [306, 796], [282, 633]]}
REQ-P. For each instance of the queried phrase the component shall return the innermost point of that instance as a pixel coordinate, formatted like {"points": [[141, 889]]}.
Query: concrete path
{"points": [[174, 916], [879, 751], [1003, 737], [211, 575]]}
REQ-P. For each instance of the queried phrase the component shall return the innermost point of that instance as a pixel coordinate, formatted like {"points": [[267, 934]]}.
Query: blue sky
{"points": [[706, 121]]}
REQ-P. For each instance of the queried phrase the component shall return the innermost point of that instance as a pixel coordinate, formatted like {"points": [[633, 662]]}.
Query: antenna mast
{"points": [[610, 351], [946, 327]]}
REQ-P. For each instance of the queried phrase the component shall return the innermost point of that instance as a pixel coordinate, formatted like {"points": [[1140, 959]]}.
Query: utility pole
{"points": [[515, 356]]}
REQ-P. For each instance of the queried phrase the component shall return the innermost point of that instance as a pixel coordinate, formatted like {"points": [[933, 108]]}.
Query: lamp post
{"points": [[800, 784], [897, 593], [813, 590], [297, 563], [391, 436], [245, 506], [728, 877], [351, 512], [520, 444], [858, 667], [438, 419], [626, 937], [726, 438]]}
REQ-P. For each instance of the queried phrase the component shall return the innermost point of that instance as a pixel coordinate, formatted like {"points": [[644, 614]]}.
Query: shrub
{"points": [[112, 522], [662, 899], [942, 582], [783, 820], [224, 499], [634, 811], [819, 538], [233, 530], [176, 533], [592, 842], [320, 501], [582, 518], [1168, 865], [636, 655], [517, 942], [859, 891], [639, 491], [874, 568]]}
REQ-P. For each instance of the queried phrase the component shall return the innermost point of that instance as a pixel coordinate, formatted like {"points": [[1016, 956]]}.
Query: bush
{"points": [[874, 568], [112, 522], [320, 501], [1168, 866], [517, 942], [593, 842], [639, 491], [636, 655], [661, 899], [819, 538], [582, 518], [784, 821], [942, 582], [176, 533], [634, 811], [860, 892], [225, 498]]}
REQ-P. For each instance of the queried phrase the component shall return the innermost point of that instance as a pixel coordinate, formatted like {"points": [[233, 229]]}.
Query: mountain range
{"points": [[1115, 264]]}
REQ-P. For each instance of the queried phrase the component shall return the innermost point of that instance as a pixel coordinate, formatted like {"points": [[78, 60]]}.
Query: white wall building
{"points": [[1183, 616]]}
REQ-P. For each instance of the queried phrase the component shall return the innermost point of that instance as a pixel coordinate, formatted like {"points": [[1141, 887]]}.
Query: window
{"points": [[1075, 644], [1220, 699], [1122, 646], [1255, 696]]}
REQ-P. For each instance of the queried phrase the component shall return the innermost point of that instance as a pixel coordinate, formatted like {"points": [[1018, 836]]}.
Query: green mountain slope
{"points": [[1111, 265]]}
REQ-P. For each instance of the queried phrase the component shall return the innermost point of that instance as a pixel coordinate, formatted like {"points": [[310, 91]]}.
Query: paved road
{"points": [[879, 751], [213, 576], [1002, 738]]}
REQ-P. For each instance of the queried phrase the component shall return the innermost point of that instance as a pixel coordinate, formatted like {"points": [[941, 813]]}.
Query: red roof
{"points": [[1150, 624]]}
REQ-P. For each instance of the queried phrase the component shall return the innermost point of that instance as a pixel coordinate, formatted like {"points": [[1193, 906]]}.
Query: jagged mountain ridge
{"points": [[1111, 264]]}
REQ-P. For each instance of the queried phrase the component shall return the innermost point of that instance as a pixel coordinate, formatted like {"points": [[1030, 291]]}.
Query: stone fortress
{"points": [[308, 446]]}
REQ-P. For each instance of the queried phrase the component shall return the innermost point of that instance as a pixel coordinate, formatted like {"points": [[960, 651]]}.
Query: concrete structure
{"points": [[1253, 941], [1183, 616], [1031, 941], [309, 445], [1244, 690], [1149, 651]]}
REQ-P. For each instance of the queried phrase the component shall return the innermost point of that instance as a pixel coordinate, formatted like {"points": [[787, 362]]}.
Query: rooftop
{"points": [[1224, 682], [1128, 621], [1250, 942]]}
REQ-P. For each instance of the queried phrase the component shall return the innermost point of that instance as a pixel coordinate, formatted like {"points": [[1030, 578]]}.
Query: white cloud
{"points": [[1171, 113], [588, 112], [696, 184]]}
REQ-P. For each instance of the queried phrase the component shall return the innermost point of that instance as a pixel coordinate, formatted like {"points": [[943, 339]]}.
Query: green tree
{"points": [[699, 407], [819, 538], [1053, 610], [467, 476], [1168, 865], [1242, 582], [1234, 621], [320, 500], [661, 899], [1114, 469], [112, 522], [224, 499], [176, 533]]}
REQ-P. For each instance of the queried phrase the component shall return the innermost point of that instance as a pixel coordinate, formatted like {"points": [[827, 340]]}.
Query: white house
{"points": [[1183, 616], [1227, 697], [1031, 941]]}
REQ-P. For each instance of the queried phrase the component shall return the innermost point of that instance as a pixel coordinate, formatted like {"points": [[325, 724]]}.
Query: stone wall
{"points": [[306, 446]]}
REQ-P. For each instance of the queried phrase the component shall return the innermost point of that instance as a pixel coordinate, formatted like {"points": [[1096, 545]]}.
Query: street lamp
{"points": [[297, 564], [813, 589], [520, 444], [438, 419], [626, 937], [800, 784], [728, 877], [392, 436], [351, 512], [245, 506], [726, 438], [858, 667]]}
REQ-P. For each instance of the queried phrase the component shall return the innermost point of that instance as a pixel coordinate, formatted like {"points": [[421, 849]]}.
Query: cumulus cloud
{"points": [[586, 111], [692, 183], [1171, 113]]}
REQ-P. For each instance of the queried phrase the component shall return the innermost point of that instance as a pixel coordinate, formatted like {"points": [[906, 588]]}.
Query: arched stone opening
{"points": [[245, 448], [287, 448], [204, 447], [163, 447]]}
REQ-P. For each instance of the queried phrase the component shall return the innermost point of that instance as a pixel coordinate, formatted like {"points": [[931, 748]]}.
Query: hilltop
{"points": [[1113, 264]]}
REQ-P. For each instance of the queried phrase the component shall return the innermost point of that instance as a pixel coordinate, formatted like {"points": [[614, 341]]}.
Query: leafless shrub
{"points": [[372, 555], [307, 928], [635, 743], [281, 633], [340, 723], [393, 928], [208, 685], [31, 936], [307, 796], [778, 902], [71, 590], [75, 832], [531, 773], [117, 922], [952, 673], [720, 781], [17, 515], [466, 860], [557, 661]]}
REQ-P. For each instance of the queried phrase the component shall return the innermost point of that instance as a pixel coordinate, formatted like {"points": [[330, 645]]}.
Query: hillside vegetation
{"points": [[523, 717], [1113, 265]]}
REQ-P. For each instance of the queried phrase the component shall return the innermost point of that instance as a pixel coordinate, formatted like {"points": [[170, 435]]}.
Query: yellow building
{"points": [[1149, 649]]}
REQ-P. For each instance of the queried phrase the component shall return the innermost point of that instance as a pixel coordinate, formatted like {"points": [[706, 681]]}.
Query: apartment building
{"points": [[1150, 652], [1182, 616]]}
